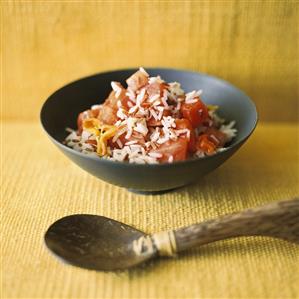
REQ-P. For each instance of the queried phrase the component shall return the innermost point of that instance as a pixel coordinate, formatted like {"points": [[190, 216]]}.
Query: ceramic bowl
{"points": [[62, 108]]}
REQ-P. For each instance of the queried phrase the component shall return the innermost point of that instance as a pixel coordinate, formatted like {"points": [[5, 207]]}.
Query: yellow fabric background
{"points": [[253, 44], [46, 186], [45, 44]]}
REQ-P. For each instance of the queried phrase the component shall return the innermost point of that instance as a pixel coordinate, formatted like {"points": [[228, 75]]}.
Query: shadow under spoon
{"points": [[100, 243]]}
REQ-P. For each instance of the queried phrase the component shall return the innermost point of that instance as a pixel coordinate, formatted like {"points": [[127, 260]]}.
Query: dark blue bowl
{"points": [[61, 109]]}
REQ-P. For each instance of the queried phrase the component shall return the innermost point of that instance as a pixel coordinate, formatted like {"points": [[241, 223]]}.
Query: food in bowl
{"points": [[150, 122]]}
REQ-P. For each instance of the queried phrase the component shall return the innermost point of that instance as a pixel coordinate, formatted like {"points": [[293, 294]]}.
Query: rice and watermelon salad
{"points": [[150, 122]]}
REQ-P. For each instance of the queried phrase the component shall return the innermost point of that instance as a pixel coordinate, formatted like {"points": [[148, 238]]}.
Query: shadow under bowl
{"points": [[62, 108]]}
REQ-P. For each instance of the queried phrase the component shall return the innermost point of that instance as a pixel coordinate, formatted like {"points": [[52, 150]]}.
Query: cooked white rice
{"points": [[134, 120]]}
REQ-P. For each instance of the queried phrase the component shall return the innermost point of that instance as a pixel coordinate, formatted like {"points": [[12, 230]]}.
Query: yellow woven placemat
{"points": [[40, 185]]}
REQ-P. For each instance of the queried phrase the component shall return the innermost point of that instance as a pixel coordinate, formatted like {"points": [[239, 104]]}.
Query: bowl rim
{"points": [[159, 165]]}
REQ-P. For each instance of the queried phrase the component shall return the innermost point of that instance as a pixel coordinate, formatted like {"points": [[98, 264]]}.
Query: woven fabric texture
{"points": [[252, 44], [46, 44], [40, 185]]}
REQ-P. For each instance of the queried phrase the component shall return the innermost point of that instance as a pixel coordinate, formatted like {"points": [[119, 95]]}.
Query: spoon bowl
{"points": [[95, 242]]}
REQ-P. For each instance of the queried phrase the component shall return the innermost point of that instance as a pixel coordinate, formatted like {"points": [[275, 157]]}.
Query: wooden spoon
{"points": [[100, 243]]}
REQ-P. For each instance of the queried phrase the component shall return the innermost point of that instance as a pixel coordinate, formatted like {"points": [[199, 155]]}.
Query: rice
{"points": [[154, 114], [121, 113], [157, 79], [134, 136], [155, 155], [229, 130], [119, 143], [116, 87], [141, 127]]}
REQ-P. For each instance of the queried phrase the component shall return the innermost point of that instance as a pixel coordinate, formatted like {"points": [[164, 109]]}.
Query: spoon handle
{"points": [[278, 220]]}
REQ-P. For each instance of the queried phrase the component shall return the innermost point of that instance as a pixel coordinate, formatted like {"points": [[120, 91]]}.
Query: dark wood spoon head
{"points": [[95, 242]]}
